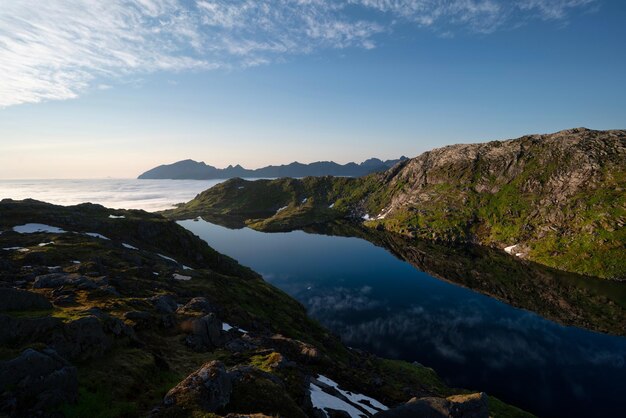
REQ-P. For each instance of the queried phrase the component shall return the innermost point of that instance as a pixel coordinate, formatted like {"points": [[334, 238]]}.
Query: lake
{"points": [[377, 302]]}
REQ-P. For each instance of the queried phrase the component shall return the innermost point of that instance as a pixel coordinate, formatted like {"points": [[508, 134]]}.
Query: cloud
{"points": [[57, 49]]}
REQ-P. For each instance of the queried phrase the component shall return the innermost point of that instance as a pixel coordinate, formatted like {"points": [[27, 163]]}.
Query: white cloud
{"points": [[57, 49]]}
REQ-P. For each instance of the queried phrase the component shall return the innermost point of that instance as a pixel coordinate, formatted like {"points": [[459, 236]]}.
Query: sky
{"points": [[95, 88]]}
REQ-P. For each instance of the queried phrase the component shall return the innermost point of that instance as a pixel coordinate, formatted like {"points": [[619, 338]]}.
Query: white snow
{"points": [[44, 244], [23, 250], [96, 235], [167, 258], [180, 277], [75, 261], [228, 327], [186, 267], [130, 247], [323, 400], [356, 397], [14, 248], [281, 209], [332, 205], [155, 273], [509, 250], [116, 217], [305, 200], [366, 217], [33, 228]]}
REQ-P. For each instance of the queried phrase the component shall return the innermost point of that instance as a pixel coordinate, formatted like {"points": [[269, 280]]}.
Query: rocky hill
{"points": [[557, 199], [114, 313], [190, 169]]}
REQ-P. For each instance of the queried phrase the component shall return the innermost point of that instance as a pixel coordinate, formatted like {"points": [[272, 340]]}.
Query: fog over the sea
{"points": [[150, 195]]}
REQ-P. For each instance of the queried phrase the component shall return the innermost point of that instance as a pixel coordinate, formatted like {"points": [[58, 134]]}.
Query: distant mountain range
{"points": [[194, 170]]}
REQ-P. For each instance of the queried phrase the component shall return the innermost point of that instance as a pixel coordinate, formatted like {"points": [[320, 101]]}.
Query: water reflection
{"points": [[377, 302]]}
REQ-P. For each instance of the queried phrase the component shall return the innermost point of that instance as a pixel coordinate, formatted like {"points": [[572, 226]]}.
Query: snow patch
{"points": [[45, 244], [186, 267], [371, 405], [509, 250], [281, 209], [305, 200], [96, 235], [34, 228], [116, 217], [130, 247], [366, 217], [332, 205], [75, 262], [14, 249], [323, 400], [167, 258], [180, 277], [226, 327]]}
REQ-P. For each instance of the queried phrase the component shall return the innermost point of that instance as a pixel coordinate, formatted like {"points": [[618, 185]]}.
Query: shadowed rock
{"points": [[36, 381], [21, 300]]}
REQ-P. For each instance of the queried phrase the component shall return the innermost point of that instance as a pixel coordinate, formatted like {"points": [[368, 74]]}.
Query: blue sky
{"points": [[96, 89]]}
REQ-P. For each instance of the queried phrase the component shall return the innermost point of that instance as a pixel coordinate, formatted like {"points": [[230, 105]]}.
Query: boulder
{"points": [[208, 388], [205, 333], [12, 299], [56, 280], [36, 382], [165, 304], [196, 305], [459, 406], [82, 339]]}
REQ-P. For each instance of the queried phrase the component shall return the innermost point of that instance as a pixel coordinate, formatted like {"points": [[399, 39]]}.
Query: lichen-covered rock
{"points": [[197, 305], [36, 381], [209, 388]]}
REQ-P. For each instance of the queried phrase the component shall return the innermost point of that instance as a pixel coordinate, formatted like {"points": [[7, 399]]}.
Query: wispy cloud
{"points": [[57, 49]]}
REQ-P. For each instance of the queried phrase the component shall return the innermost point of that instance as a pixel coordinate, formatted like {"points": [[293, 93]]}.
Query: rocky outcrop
{"points": [[36, 381], [458, 406]]}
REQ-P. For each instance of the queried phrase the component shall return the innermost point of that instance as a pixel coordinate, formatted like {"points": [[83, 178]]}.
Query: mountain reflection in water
{"points": [[377, 302]]}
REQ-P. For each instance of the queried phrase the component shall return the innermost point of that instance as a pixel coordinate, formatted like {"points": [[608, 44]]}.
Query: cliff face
{"points": [[557, 199]]}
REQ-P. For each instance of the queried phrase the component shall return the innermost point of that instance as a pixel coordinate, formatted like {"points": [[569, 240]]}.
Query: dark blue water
{"points": [[379, 303]]}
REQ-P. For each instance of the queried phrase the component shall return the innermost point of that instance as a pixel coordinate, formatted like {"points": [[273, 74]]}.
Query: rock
{"points": [[295, 349], [138, 316], [22, 300], [205, 333], [197, 305], [165, 304], [82, 339], [36, 382], [209, 388], [459, 406], [56, 280]]}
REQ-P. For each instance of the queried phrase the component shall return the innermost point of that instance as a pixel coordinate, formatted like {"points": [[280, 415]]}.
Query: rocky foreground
{"points": [[557, 199], [109, 313]]}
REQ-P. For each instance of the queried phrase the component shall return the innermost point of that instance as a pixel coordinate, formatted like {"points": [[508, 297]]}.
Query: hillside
{"points": [[113, 313], [557, 199], [190, 169]]}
